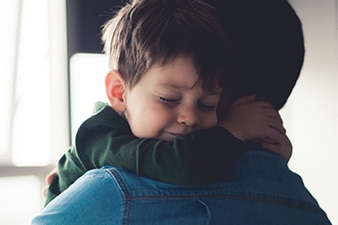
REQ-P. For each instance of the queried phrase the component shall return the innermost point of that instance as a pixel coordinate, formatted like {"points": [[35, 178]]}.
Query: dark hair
{"points": [[145, 32], [268, 43]]}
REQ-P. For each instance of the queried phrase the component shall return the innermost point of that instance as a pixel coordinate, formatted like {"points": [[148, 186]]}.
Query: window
{"points": [[33, 68], [27, 95], [87, 72]]}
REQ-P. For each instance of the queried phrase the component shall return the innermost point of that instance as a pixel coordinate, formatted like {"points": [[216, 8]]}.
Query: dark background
{"points": [[84, 21]]}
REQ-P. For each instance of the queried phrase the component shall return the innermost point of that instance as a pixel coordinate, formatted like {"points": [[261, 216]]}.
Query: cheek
{"points": [[209, 120], [146, 120]]}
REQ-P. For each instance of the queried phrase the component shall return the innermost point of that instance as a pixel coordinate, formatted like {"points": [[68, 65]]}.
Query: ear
{"points": [[115, 89]]}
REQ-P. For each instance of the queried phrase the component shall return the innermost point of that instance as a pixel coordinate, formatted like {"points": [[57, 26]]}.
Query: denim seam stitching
{"points": [[276, 201], [128, 198], [126, 193]]}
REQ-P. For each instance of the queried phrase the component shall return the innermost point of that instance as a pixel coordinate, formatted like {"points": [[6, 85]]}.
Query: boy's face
{"points": [[168, 102]]}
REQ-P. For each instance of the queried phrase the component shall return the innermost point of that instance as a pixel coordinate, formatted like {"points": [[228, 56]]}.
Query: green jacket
{"points": [[106, 139]]}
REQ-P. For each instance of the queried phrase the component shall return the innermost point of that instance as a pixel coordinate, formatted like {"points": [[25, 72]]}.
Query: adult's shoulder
{"points": [[93, 199]]}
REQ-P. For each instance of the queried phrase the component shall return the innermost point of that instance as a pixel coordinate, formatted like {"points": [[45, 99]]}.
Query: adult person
{"points": [[178, 80], [259, 189]]}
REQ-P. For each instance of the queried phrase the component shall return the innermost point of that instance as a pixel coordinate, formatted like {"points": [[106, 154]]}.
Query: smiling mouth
{"points": [[173, 135]]}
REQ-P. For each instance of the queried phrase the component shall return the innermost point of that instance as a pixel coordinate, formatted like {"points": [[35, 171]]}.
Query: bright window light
{"points": [[33, 71], [8, 12], [31, 126], [87, 75], [18, 206], [25, 83]]}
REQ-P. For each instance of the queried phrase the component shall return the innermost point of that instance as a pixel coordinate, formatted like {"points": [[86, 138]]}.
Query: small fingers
{"points": [[280, 144], [277, 125], [50, 176]]}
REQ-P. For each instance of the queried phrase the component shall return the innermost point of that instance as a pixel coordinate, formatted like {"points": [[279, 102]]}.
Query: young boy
{"points": [[166, 76]]}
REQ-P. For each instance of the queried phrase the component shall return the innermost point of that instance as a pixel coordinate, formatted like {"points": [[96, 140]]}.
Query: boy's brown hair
{"points": [[145, 32]]}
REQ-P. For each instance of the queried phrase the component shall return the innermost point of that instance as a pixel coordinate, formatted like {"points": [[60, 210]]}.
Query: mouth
{"points": [[171, 136]]}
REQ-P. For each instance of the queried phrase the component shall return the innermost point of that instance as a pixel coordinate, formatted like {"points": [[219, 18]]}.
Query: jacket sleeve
{"points": [[201, 157], [68, 170], [197, 158]]}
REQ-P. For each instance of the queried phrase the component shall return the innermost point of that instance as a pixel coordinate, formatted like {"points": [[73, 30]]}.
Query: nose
{"points": [[188, 116]]}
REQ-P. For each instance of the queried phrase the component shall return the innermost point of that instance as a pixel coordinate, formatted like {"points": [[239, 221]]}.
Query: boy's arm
{"points": [[68, 170], [105, 139], [196, 158]]}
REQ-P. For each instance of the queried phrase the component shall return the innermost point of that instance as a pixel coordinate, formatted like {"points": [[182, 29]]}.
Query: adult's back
{"points": [[259, 190]]}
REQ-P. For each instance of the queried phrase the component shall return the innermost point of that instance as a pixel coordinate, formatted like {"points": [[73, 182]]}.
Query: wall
{"points": [[311, 115]]}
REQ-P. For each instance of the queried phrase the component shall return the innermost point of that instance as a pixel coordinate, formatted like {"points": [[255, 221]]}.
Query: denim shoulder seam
{"points": [[125, 193]]}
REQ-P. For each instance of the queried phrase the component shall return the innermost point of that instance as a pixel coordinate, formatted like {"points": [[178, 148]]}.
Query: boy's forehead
{"points": [[175, 71], [180, 72], [176, 85]]}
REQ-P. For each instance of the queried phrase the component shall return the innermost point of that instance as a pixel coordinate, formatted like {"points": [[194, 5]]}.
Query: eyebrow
{"points": [[176, 86]]}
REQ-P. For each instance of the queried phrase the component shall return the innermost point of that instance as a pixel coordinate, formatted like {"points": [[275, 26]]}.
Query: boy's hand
{"points": [[249, 120], [282, 147], [49, 179], [258, 121]]}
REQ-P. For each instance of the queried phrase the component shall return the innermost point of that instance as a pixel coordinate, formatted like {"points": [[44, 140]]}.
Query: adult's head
{"points": [[269, 48]]}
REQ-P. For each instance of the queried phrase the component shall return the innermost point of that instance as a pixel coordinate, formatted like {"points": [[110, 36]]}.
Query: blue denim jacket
{"points": [[259, 190]]}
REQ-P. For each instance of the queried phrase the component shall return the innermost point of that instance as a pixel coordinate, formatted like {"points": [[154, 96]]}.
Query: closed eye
{"points": [[205, 107], [169, 101]]}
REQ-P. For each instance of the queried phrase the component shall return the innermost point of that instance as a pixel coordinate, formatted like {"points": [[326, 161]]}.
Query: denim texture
{"points": [[259, 190]]}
